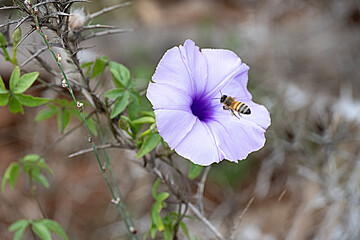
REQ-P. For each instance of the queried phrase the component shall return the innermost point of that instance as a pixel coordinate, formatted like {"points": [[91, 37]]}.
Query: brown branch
{"points": [[106, 10]]}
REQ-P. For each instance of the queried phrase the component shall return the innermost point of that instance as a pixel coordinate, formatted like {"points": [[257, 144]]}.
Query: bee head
{"points": [[222, 99]]}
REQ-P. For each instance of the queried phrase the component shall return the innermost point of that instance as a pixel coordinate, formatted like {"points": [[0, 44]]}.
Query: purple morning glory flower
{"points": [[185, 95]]}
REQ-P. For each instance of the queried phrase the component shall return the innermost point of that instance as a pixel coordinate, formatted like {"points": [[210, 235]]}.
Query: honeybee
{"points": [[231, 104]]}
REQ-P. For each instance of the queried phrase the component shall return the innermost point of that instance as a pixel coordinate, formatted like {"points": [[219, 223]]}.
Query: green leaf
{"points": [[16, 36], [92, 126], [15, 106], [194, 171], [18, 234], [134, 106], [19, 226], [120, 73], [41, 163], [25, 82], [120, 105], [30, 101], [11, 174], [155, 216], [88, 66], [114, 93], [38, 177], [148, 113], [23, 223], [99, 66], [55, 228], [162, 196], [2, 40], [4, 99], [41, 230], [14, 78], [155, 187], [2, 87], [30, 158], [63, 120], [149, 144], [46, 114], [185, 229], [143, 120]]}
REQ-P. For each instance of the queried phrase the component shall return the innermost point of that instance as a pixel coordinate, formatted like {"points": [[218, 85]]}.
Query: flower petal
{"points": [[174, 125], [223, 66], [196, 65], [164, 96], [236, 137], [171, 70], [237, 87], [259, 115], [199, 146]]}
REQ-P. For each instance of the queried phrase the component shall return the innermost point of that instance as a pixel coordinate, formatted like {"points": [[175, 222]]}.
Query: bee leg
{"points": [[233, 113]]}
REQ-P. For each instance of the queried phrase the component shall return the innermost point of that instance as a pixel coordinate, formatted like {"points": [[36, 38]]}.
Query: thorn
{"points": [[115, 201]]}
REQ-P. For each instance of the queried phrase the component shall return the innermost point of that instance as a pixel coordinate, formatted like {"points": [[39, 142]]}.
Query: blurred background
{"points": [[304, 59]]}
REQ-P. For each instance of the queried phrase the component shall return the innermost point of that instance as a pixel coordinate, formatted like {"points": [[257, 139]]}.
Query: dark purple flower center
{"points": [[201, 108]]}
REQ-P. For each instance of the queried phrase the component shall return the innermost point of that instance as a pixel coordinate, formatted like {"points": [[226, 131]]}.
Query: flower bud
{"points": [[123, 124], [59, 57], [16, 36]]}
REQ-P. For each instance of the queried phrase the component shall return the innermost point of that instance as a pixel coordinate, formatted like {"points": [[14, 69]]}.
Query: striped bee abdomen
{"points": [[241, 107]]}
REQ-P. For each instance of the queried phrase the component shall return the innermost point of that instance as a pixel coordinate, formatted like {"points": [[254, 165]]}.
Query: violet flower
{"points": [[185, 95]]}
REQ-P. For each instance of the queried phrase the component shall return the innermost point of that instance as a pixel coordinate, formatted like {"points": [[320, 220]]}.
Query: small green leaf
{"points": [[30, 158], [15, 106], [162, 196], [41, 163], [63, 120], [88, 66], [18, 234], [14, 173], [16, 36], [155, 187], [41, 230], [120, 105], [120, 73], [46, 114], [19, 226], [23, 223], [114, 93], [2, 40], [99, 66], [134, 106], [149, 144], [14, 78], [185, 229], [30, 101], [25, 82], [143, 120], [11, 174], [92, 126], [38, 177], [2, 87], [194, 171], [55, 228], [148, 113], [4, 99]]}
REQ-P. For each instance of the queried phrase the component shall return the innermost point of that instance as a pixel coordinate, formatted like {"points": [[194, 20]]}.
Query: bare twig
{"points": [[237, 223], [9, 7], [89, 27], [22, 21], [108, 32], [106, 10], [109, 145], [10, 22], [206, 222], [34, 56]]}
